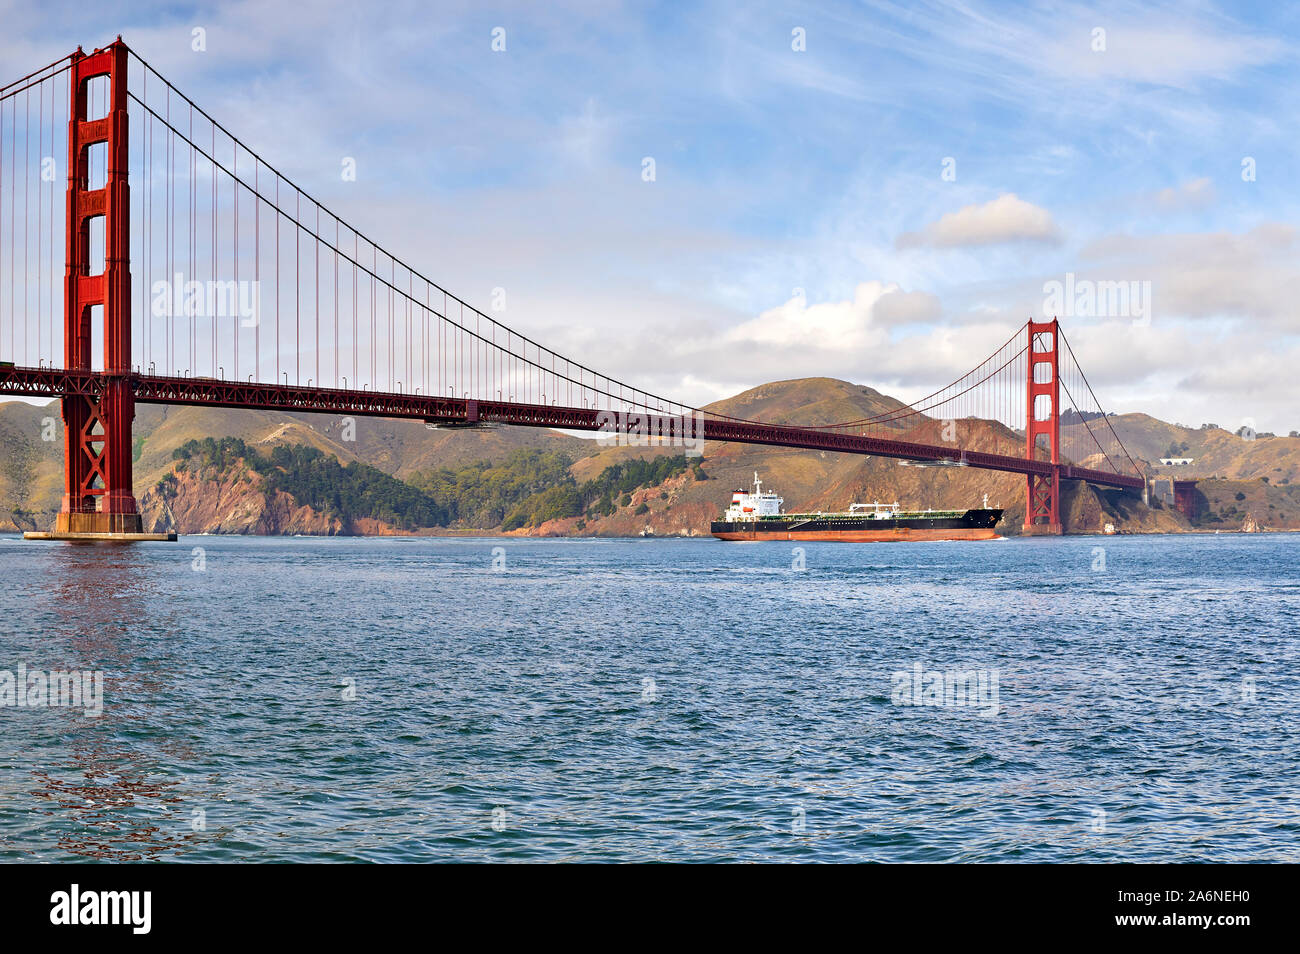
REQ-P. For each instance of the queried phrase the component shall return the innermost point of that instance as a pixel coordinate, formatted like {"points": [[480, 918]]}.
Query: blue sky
{"points": [[1115, 156]]}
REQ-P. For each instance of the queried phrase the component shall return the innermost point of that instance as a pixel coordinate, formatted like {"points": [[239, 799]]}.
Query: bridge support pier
{"points": [[1043, 503]]}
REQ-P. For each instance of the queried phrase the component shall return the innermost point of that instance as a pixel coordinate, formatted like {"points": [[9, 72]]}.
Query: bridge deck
{"points": [[157, 389]]}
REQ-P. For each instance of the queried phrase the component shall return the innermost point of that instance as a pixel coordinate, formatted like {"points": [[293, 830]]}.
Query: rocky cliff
{"points": [[236, 500]]}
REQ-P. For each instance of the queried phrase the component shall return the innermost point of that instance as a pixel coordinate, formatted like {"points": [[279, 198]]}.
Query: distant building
{"points": [[1176, 461]]}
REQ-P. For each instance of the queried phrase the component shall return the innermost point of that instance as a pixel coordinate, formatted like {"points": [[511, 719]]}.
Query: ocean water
{"points": [[1131, 699]]}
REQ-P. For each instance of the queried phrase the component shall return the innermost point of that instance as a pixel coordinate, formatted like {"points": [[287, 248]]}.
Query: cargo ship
{"points": [[757, 515]]}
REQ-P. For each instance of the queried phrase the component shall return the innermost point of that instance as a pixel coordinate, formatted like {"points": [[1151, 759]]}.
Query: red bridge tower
{"points": [[98, 496], [1042, 412]]}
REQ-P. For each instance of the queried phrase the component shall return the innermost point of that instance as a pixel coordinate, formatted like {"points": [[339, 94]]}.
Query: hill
{"points": [[31, 465], [1238, 504], [31, 468], [1215, 451]]}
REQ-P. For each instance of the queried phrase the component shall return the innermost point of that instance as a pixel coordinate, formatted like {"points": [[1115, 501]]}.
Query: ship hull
{"points": [[843, 528]]}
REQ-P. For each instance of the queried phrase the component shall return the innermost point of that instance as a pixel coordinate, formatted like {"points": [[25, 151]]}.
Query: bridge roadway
{"points": [[210, 392]]}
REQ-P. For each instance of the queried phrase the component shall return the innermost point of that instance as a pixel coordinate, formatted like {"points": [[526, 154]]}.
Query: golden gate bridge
{"points": [[180, 267]]}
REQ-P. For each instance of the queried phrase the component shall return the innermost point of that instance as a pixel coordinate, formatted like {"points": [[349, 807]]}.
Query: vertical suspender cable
{"points": [[234, 195], [256, 295]]}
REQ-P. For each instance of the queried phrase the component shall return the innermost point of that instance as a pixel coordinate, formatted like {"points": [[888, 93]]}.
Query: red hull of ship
{"points": [[898, 535]]}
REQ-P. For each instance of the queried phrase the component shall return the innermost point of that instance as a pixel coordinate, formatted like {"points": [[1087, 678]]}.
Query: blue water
{"points": [[655, 700]]}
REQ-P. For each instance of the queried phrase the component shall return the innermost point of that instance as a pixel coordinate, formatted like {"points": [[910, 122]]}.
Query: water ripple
{"points": [[399, 700]]}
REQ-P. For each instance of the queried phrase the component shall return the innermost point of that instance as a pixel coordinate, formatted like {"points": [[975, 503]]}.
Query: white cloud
{"points": [[839, 326], [1164, 370], [1178, 48], [897, 308], [1008, 218], [1251, 276], [1195, 194], [1160, 53]]}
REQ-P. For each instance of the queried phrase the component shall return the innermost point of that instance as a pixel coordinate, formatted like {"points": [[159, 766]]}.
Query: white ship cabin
{"points": [[876, 510], [747, 505]]}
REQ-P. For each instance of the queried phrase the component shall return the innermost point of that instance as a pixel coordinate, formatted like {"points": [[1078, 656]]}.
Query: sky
{"points": [[870, 191]]}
